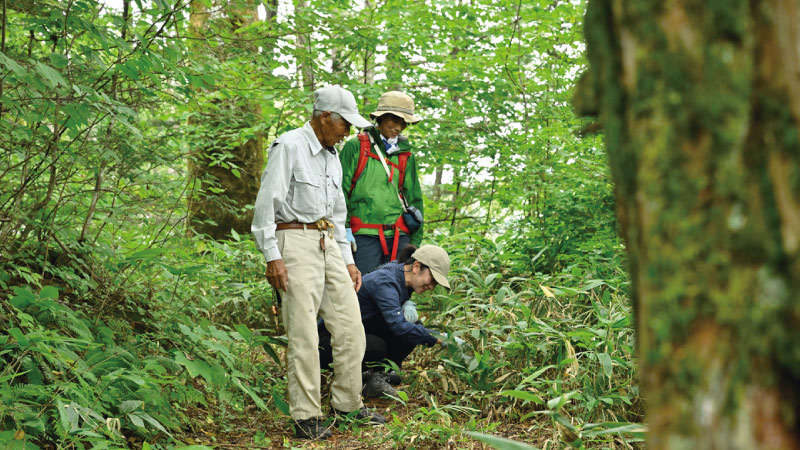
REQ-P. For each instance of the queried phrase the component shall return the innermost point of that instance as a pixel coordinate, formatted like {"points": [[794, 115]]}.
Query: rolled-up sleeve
{"points": [[271, 197]]}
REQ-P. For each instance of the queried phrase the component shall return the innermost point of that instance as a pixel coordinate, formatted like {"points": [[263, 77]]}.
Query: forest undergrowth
{"points": [[186, 352]]}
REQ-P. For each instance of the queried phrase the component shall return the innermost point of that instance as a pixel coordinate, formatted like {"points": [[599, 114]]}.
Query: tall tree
{"points": [[227, 146], [700, 102]]}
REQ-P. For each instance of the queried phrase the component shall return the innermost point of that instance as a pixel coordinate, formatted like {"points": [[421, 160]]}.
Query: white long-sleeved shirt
{"points": [[302, 182]]}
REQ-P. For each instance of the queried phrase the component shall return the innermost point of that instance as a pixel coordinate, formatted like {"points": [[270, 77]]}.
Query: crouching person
{"points": [[299, 227], [389, 318]]}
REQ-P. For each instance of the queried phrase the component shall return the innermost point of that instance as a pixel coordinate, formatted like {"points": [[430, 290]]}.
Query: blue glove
{"points": [[351, 239], [410, 311]]}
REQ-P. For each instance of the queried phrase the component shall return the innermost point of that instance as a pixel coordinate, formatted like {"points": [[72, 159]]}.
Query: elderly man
{"points": [[299, 227]]}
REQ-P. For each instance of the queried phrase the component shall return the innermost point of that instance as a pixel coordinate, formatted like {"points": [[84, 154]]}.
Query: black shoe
{"points": [[376, 386], [312, 428], [371, 417], [391, 377]]}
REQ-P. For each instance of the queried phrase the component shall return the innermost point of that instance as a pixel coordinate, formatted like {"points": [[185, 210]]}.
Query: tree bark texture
{"points": [[700, 101], [221, 197]]}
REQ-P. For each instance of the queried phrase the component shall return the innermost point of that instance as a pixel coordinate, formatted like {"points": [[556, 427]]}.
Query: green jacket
{"points": [[373, 200]]}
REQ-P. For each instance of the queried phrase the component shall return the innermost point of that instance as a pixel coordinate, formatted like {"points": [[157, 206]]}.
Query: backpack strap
{"points": [[402, 160], [363, 153]]}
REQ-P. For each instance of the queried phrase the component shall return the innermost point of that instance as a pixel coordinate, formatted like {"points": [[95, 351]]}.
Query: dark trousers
{"points": [[382, 345], [369, 253]]}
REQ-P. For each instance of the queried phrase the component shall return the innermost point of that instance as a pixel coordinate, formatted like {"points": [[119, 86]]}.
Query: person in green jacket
{"points": [[375, 192]]}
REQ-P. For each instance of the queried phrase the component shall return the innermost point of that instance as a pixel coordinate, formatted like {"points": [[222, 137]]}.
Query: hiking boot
{"points": [[391, 377], [376, 386], [312, 428], [370, 417]]}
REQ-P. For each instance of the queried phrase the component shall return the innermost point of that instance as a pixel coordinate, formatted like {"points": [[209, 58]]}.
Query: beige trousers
{"points": [[319, 283]]}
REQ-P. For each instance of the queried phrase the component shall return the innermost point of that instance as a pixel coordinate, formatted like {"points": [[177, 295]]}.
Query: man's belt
{"points": [[321, 224]]}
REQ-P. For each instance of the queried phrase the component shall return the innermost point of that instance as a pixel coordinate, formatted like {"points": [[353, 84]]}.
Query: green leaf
{"points": [[602, 429], [136, 420], [23, 297], [12, 65], [149, 419], [130, 405], [69, 416], [500, 443], [49, 292], [524, 395], [490, 279], [58, 60], [191, 367], [256, 399], [536, 374], [149, 254], [268, 348], [605, 361], [51, 75], [244, 332], [556, 403], [17, 334], [280, 402]]}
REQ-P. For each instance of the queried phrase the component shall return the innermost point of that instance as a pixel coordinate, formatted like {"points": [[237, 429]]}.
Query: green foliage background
{"points": [[117, 327]]}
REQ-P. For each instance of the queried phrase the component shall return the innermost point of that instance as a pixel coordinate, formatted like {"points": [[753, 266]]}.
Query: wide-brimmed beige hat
{"points": [[437, 260], [397, 103]]}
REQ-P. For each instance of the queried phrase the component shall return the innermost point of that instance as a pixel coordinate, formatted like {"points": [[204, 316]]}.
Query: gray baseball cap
{"points": [[437, 260], [339, 100]]}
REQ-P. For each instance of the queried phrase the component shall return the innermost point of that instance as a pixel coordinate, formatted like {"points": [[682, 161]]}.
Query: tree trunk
{"points": [[221, 198], [437, 183], [700, 103], [305, 64]]}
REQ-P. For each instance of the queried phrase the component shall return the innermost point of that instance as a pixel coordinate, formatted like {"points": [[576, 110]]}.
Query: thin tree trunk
{"points": [[700, 103], [455, 202], [437, 184], [3, 49], [304, 42]]}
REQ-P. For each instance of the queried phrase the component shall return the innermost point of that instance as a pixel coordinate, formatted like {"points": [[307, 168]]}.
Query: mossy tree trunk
{"points": [[226, 176], [700, 101]]}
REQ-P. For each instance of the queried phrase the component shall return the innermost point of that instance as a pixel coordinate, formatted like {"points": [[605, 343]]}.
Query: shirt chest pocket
{"points": [[308, 191]]}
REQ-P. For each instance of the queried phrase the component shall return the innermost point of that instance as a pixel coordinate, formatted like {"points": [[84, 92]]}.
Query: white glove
{"points": [[444, 338], [410, 311], [351, 239]]}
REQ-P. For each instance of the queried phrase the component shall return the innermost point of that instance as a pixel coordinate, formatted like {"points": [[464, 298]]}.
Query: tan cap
{"points": [[397, 103], [437, 260], [339, 100]]}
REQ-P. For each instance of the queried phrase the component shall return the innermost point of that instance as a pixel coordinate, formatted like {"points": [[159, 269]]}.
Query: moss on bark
{"points": [[702, 136]]}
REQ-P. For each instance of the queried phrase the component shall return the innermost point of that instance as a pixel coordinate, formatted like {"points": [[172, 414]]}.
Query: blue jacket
{"points": [[382, 293]]}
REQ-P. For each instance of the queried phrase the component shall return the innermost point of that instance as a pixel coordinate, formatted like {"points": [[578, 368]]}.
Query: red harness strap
{"points": [[356, 224], [365, 152]]}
